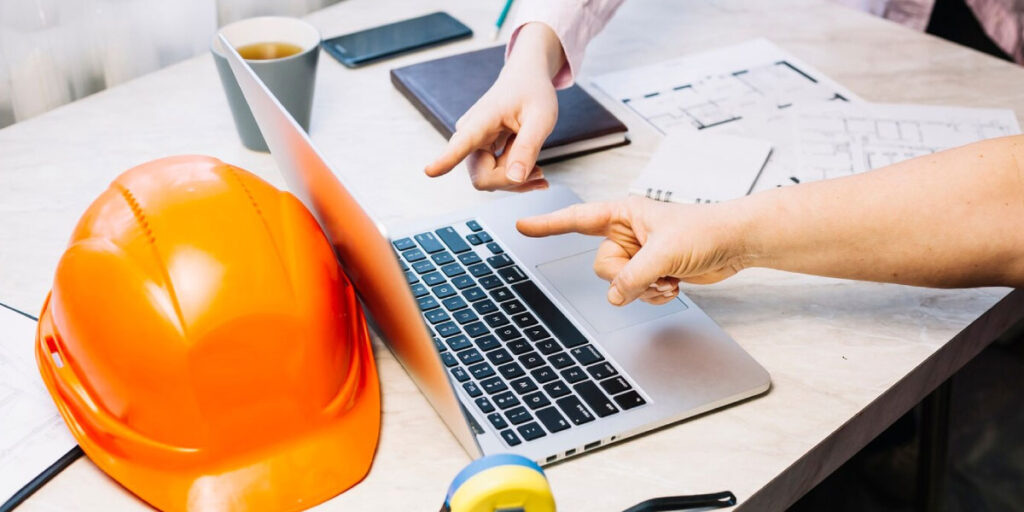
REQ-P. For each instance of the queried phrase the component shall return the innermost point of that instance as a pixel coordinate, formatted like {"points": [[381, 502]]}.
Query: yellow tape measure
{"points": [[513, 483]]}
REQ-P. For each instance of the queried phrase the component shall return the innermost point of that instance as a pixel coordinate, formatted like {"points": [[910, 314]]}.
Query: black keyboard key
{"points": [[480, 370], [448, 359], [485, 237], [493, 385], [497, 320], [469, 258], [458, 343], [574, 409], [501, 294], [543, 374], [475, 329], [630, 400], [436, 316], [410, 277], [453, 303], [484, 307], [505, 400], [512, 274], [494, 248], [511, 371], [428, 242], [473, 294], [433, 279], [472, 390], [510, 437], [479, 270], [403, 244], [519, 346], [402, 264], [564, 330], [462, 282], [464, 316], [531, 431], [460, 374], [471, 356], [548, 346], [552, 419], [574, 374], [474, 239], [440, 346], [562, 360], [419, 290], [507, 332], [452, 239], [413, 255], [601, 371], [518, 415], [513, 307], [586, 355], [499, 357], [596, 399], [489, 282], [536, 400], [523, 385], [442, 258], [615, 386], [556, 389], [531, 360], [536, 332], [524, 319], [473, 226], [443, 291], [497, 420], [500, 260], [485, 405], [447, 329], [426, 303], [486, 343], [423, 266], [452, 269]]}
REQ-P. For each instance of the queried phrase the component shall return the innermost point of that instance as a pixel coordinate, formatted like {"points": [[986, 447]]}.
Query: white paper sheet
{"points": [[834, 139], [32, 434], [702, 167], [720, 88]]}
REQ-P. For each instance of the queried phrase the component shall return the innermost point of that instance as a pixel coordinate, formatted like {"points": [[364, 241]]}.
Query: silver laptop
{"points": [[511, 338]]}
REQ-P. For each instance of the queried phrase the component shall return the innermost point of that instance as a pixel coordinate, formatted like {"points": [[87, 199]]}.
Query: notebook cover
{"points": [[444, 89]]}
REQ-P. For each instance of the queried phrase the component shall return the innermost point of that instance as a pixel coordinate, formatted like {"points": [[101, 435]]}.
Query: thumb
{"points": [[522, 155], [644, 268]]}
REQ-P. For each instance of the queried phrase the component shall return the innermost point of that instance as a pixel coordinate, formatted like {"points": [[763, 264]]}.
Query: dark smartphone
{"points": [[385, 41]]}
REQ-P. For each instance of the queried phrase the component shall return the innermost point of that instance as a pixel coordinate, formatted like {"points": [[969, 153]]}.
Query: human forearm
{"points": [[950, 219], [537, 50]]}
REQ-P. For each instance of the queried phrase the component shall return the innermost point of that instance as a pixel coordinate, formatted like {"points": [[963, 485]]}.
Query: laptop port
{"points": [[570, 453], [591, 446], [552, 458]]}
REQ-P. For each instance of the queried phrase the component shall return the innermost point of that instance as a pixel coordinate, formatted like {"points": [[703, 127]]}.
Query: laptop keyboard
{"points": [[524, 365]]}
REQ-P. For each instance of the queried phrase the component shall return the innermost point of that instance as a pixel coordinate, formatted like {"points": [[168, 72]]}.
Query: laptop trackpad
{"points": [[574, 278]]}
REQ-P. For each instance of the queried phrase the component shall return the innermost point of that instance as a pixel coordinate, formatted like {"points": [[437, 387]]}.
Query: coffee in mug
{"points": [[267, 51]]}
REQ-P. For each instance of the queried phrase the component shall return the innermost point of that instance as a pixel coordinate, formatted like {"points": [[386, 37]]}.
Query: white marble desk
{"points": [[846, 358]]}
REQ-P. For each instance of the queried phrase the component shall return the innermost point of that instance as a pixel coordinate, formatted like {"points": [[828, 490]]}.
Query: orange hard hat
{"points": [[204, 347]]}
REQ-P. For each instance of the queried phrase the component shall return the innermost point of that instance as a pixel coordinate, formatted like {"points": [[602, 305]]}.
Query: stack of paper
{"points": [[816, 128]]}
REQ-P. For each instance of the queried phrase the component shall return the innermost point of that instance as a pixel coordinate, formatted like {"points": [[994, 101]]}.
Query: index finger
{"points": [[586, 218], [462, 143]]}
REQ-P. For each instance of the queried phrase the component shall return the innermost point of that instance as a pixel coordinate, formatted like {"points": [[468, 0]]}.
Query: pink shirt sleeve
{"points": [[575, 22]]}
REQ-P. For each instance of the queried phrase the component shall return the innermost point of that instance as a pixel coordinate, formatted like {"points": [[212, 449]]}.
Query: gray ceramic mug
{"points": [[290, 78]]}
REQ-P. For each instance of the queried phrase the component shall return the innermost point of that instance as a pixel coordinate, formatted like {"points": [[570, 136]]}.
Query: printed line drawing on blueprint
{"points": [[719, 87], [838, 140]]}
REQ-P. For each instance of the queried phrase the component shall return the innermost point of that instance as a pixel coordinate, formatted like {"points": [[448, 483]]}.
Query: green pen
{"points": [[501, 19]]}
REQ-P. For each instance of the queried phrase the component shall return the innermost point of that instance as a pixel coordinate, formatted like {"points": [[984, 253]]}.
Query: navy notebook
{"points": [[444, 89]]}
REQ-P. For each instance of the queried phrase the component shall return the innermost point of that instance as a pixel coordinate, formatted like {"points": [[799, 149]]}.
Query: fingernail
{"points": [[664, 287], [614, 296], [669, 294], [516, 172]]}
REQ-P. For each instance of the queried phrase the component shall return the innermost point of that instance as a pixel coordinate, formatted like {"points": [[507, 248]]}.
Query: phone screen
{"points": [[395, 38]]}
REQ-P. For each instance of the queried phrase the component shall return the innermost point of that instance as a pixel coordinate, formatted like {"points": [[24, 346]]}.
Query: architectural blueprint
{"points": [[720, 88], [32, 434], [836, 140]]}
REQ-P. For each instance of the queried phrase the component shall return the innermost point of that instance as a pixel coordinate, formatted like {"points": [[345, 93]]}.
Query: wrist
{"points": [[537, 50], [747, 225]]}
